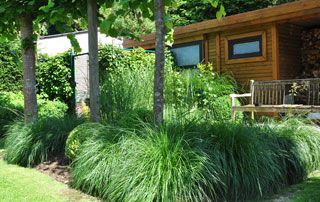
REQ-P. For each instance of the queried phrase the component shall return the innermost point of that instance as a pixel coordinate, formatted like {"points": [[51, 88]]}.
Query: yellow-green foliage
{"points": [[78, 135], [11, 108]]}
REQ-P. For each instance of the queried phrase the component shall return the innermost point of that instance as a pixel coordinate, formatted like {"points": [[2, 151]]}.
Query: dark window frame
{"points": [[233, 42], [201, 54]]}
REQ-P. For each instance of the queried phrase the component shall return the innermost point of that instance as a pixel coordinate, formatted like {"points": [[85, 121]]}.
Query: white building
{"points": [[60, 43]]}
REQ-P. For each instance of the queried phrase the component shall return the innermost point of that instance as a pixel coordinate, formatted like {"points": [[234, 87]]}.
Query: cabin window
{"points": [[250, 47], [188, 54]]}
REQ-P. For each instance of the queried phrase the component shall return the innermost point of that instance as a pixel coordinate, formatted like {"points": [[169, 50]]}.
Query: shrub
{"points": [[30, 144], [10, 67], [196, 162], [11, 108], [79, 135], [54, 77], [54, 74]]}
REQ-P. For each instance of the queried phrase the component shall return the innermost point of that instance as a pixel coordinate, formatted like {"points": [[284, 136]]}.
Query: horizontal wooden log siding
{"points": [[289, 50], [246, 71]]}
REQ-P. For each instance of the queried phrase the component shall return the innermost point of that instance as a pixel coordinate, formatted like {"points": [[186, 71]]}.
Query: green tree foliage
{"points": [[188, 11], [131, 25]]}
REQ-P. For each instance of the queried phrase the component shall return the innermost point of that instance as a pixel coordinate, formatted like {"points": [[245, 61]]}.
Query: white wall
{"points": [[55, 44]]}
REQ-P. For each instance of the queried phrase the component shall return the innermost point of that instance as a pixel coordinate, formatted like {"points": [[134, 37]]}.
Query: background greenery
{"points": [[54, 74], [127, 88]]}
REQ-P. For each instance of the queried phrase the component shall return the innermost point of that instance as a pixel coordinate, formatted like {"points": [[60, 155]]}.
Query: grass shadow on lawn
{"points": [[1, 143], [307, 191]]}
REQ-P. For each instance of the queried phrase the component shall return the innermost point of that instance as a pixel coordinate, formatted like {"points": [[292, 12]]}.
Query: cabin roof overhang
{"points": [[300, 12]]}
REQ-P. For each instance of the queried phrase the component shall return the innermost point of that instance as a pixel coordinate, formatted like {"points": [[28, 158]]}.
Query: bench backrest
{"points": [[278, 92]]}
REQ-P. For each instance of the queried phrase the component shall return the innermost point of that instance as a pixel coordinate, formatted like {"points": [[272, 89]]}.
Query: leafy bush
{"points": [[30, 144], [11, 108], [196, 162], [54, 77], [202, 92], [79, 135], [10, 68]]}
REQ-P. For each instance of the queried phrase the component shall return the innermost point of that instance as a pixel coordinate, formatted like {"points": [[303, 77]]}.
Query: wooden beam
{"points": [[218, 53], [275, 52], [206, 48]]}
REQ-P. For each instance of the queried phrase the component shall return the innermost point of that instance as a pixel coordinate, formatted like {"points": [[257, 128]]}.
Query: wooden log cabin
{"points": [[261, 45]]}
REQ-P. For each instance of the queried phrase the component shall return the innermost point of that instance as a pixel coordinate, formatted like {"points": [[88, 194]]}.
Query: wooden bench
{"points": [[281, 96]]}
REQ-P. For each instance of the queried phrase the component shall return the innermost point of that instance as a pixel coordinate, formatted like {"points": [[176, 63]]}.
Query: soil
{"points": [[57, 168]]}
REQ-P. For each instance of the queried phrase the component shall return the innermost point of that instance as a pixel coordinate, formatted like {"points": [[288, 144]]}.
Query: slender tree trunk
{"points": [[93, 61], [159, 63], [29, 73]]}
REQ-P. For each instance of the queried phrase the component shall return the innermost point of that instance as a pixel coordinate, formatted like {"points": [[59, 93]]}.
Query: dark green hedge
{"points": [[10, 68], [53, 73], [54, 77]]}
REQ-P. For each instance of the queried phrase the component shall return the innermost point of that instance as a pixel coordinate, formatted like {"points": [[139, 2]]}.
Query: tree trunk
{"points": [[93, 61], [29, 73], [159, 62]]}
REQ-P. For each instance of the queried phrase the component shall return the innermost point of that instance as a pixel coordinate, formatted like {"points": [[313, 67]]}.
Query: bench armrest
{"points": [[234, 96]]}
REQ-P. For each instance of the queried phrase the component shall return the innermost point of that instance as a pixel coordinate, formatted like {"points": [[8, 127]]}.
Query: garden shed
{"points": [[267, 44]]}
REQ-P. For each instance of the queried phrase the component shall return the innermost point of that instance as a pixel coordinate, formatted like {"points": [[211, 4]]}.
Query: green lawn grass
{"points": [[24, 184]]}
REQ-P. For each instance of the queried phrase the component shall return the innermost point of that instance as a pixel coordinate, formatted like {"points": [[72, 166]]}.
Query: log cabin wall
{"points": [[290, 45], [246, 71]]}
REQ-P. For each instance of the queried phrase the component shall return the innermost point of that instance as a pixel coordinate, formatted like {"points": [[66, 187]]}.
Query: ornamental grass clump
{"points": [[249, 167], [145, 165], [195, 161], [300, 142], [30, 144]]}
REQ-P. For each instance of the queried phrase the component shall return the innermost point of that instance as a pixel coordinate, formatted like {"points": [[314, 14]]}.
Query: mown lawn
{"points": [[24, 184]]}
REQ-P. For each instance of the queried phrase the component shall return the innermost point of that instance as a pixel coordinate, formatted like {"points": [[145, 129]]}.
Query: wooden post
{"points": [[233, 113], [252, 96], [206, 48], [275, 52], [218, 55], [93, 61]]}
